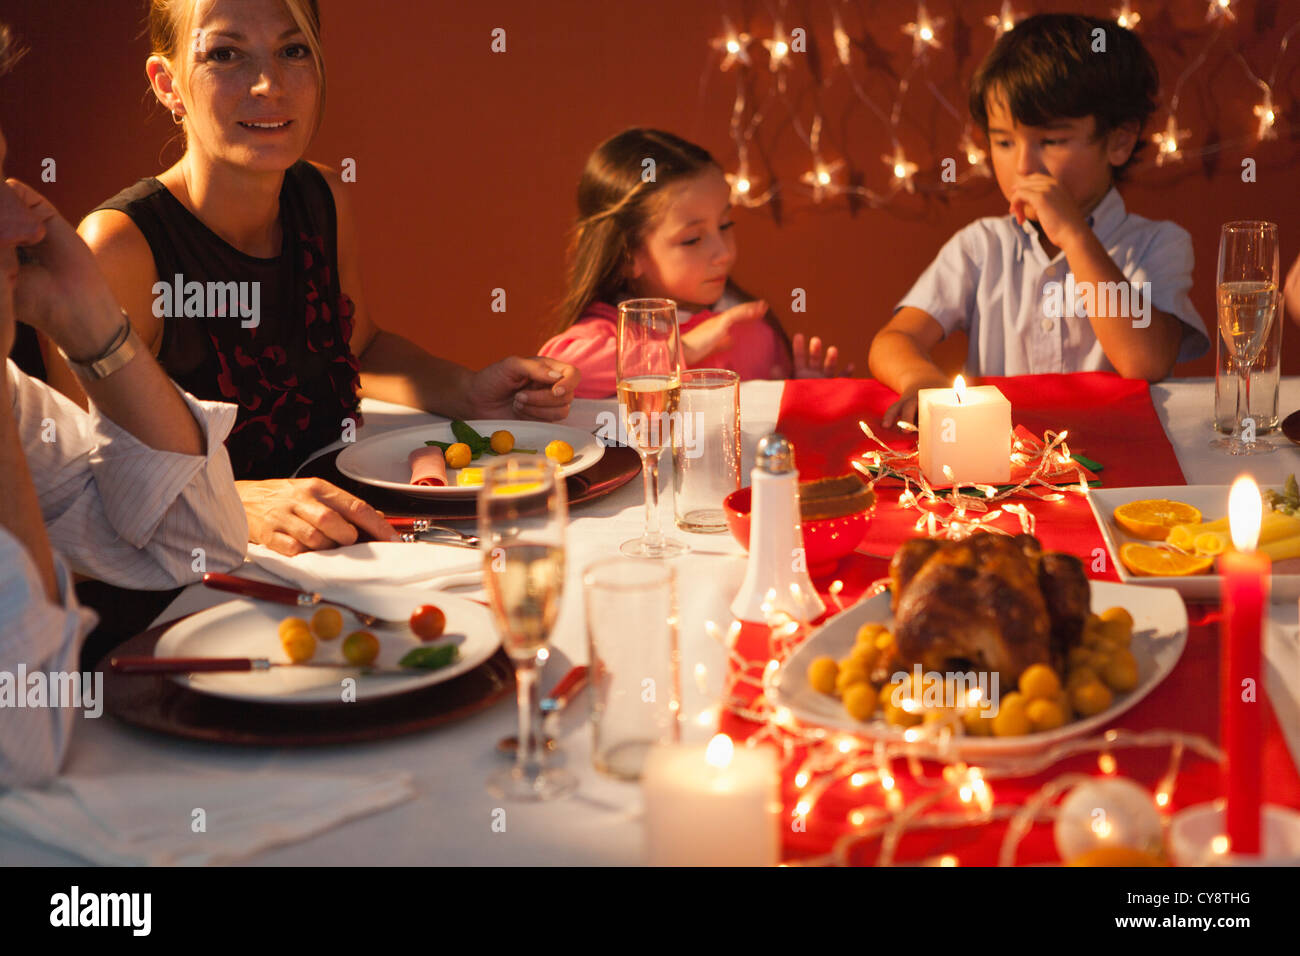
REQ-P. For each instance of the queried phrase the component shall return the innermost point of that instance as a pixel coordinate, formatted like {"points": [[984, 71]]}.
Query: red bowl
{"points": [[825, 540]]}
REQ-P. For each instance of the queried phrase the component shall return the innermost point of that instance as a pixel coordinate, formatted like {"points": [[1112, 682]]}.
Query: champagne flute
{"points": [[1247, 303], [522, 513], [649, 387]]}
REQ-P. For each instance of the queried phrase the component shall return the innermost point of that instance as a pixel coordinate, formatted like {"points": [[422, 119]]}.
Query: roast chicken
{"points": [[987, 603]]}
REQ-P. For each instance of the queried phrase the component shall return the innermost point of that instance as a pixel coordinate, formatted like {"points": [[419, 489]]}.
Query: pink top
{"points": [[591, 344]]}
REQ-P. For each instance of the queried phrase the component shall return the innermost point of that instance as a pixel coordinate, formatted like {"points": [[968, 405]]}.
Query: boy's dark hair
{"points": [[1046, 69]]}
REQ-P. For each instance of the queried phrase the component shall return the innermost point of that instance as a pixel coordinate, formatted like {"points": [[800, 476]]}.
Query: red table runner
{"points": [[1110, 420]]}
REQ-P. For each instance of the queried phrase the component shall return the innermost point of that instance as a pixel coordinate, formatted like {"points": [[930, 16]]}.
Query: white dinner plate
{"points": [[1159, 636], [247, 628], [382, 460], [1211, 501]]}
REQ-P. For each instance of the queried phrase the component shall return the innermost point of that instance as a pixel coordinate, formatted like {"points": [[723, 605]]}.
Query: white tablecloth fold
{"points": [[374, 562], [153, 819]]}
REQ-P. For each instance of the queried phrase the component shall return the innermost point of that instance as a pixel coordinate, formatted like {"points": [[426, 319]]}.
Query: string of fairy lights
{"points": [[827, 177]]}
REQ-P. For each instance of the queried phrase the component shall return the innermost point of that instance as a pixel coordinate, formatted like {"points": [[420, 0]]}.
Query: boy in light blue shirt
{"points": [[1069, 281]]}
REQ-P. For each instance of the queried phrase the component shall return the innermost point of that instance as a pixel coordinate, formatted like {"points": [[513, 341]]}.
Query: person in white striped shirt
{"points": [[137, 491]]}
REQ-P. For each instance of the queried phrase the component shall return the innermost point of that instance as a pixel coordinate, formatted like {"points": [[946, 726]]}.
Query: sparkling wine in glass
{"points": [[522, 513], [1247, 305], [649, 388]]}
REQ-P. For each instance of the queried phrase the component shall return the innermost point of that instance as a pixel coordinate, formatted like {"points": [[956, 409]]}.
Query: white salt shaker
{"points": [[776, 577]]}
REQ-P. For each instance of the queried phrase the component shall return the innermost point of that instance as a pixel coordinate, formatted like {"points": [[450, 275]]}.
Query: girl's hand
{"points": [[809, 362], [293, 515], [714, 334], [904, 410]]}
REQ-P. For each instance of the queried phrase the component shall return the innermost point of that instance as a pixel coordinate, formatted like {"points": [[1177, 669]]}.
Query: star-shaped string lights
{"points": [[1267, 115], [1220, 9], [924, 31], [1004, 20], [1126, 17], [733, 46], [975, 157], [902, 169], [1167, 149], [778, 49]]}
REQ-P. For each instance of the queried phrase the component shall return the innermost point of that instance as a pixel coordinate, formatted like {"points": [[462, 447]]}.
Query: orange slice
{"points": [[1152, 519], [1146, 561]]}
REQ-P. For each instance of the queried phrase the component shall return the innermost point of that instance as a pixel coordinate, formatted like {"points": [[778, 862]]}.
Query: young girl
{"points": [[666, 235], [243, 210]]}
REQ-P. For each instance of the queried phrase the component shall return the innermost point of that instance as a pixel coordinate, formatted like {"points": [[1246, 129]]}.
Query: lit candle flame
{"points": [[959, 386], [718, 753], [1245, 512]]}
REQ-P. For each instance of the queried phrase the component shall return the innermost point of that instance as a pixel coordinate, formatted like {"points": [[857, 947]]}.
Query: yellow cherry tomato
{"points": [[1121, 671], [977, 725], [298, 643], [360, 648], [560, 452], [1045, 714], [1090, 697], [822, 673], [864, 654], [851, 672], [291, 624], [1039, 681], [860, 701], [458, 455], [1080, 675], [867, 634], [1011, 719], [327, 623], [899, 717], [501, 442]]}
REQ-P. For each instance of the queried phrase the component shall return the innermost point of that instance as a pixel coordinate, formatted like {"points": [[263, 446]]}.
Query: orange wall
{"points": [[467, 160]]}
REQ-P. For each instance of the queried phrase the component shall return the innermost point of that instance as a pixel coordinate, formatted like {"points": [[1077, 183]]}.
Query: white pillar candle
{"points": [[967, 429], [712, 805]]}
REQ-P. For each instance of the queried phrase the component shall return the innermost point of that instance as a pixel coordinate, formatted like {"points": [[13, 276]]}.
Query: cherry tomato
{"points": [[428, 622], [360, 648]]}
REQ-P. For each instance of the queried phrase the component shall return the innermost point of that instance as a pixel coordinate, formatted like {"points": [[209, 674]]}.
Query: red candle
{"points": [[1245, 602]]}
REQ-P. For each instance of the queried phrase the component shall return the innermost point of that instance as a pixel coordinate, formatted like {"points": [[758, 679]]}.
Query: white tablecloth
{"points": [[451, 819]]}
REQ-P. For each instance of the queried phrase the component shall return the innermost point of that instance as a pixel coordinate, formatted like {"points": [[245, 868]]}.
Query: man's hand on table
{"points": [[293, 515]]}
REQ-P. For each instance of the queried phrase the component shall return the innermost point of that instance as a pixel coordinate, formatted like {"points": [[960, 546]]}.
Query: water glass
{"points": [[635, 664], [706, 458]]}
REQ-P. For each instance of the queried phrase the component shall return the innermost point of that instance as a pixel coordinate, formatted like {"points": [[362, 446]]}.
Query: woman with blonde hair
{"points": [[283, 329]]}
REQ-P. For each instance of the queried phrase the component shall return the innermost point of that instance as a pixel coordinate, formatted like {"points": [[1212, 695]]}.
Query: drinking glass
{"points": [[632, 625], [1247, 302], [706, 456], [522, 513], [649, 387]]}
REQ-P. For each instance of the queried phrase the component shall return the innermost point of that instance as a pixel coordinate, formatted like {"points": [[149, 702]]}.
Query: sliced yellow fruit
{"points": [[1212, 542], [470, 476], [1184, 535], [1153, 518], [1144, 560]]}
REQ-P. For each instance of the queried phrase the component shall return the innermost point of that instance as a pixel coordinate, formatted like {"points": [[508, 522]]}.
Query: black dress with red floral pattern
{"points": [[276, 343]]}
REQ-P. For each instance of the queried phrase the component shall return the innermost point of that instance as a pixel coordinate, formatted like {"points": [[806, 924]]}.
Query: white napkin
{"points": [[374, 562], [150, 819]]}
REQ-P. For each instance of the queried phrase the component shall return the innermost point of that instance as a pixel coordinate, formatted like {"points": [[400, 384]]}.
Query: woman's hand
{"points": [[714, 333], [539, 388], [293, 515], [809, 362]]}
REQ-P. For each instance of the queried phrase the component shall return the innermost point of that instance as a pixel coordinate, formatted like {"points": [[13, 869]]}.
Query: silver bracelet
{"points": [[118, 353]]}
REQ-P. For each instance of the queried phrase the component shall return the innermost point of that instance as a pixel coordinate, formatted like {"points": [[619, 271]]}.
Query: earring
{"points": [[178, 118]]}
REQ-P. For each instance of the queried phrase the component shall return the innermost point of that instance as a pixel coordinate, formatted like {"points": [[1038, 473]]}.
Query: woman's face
{"points": [[250, 90], [690, 250]]}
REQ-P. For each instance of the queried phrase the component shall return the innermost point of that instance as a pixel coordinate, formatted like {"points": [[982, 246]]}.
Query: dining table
{"points": [[450, 818]]}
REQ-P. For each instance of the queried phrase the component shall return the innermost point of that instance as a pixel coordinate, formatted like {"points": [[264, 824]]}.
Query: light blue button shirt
{"points": [[991, 280]]}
